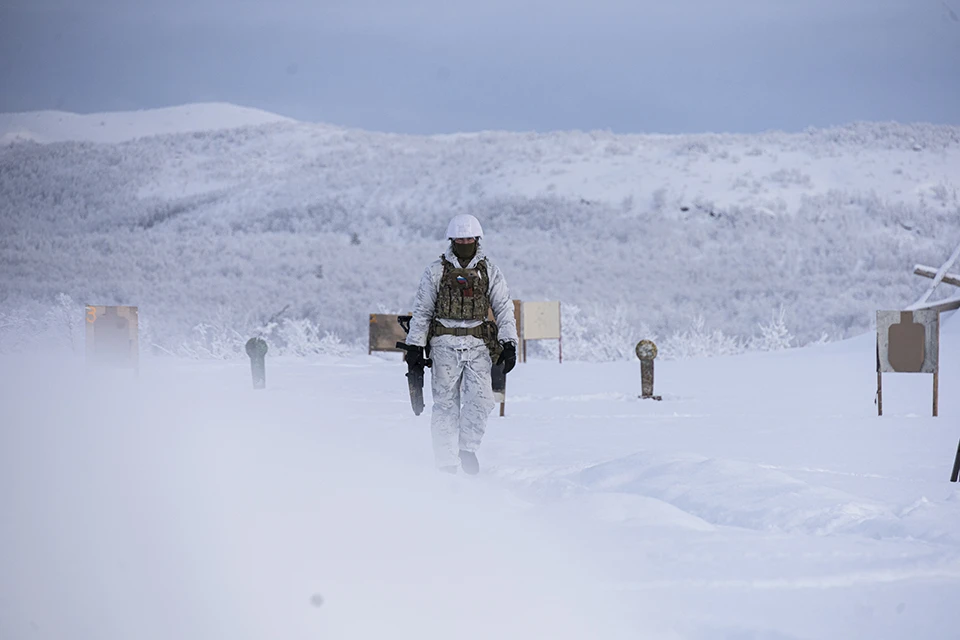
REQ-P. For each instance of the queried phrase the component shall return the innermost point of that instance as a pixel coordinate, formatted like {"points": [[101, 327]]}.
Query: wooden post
{"points": [[560, 339], [518, 320], [937, 278], [935, 384], [930, 272], [936, 372], [879, 393], [879, 382]]}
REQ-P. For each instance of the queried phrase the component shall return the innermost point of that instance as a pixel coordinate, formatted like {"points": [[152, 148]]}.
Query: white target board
{"points": [[908, 341], [541, 320], [113, 336]]}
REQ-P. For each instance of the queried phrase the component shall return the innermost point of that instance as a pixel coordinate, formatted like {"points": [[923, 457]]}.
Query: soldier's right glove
{"points": [[415, 357], [508, 357]]}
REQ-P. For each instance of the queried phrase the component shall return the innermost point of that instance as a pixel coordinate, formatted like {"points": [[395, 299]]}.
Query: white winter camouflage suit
{"points": [[462, 392]]}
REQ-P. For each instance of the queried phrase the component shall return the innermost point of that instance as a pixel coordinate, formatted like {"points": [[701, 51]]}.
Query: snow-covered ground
{"points": [[61, 126], [192, 221], [763, 499]]}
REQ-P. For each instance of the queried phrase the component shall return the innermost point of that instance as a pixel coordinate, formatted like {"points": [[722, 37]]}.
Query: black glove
{"points": [[415, 357], [508, 357]]}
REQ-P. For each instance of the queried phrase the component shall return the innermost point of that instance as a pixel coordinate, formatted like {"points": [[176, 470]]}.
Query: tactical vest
{"points": [[464, 293]]}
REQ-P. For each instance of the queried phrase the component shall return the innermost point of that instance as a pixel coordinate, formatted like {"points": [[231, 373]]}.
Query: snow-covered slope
{"points": [[762, 499], [648, 230], [61, 126]]}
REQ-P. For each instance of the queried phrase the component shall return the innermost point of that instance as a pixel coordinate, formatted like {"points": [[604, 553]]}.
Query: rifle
{"points": [[414, 370], [956, 467]]}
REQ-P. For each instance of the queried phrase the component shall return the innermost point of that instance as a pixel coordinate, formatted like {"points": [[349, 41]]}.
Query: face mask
{"points": [[465, 251]]}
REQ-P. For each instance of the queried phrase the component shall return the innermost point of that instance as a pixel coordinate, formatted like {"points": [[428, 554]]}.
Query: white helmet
{"points": [[464, 226]]}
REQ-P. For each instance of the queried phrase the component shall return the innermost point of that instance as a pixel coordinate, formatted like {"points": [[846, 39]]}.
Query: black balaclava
{"points": [[464, 251]]}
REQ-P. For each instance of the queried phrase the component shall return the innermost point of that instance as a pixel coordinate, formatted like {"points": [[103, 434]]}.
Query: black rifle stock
{"points": [[414, 369], [956, 467]]}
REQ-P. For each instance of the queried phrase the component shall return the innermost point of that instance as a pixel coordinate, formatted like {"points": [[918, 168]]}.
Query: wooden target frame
{"points": [[112, 336]]}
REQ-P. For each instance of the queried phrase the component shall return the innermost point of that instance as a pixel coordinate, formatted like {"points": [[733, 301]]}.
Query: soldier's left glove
{"points": [[508, 357]]}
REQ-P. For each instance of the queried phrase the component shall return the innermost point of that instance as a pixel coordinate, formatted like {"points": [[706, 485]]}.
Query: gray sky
{"points": [[430, 66]]}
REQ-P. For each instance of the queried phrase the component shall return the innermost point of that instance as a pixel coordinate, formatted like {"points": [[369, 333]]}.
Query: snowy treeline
{"points": [[601, 335], [698, 240]]}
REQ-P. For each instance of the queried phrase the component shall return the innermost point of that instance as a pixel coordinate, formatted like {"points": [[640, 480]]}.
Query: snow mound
{"points": [[61, 126]]}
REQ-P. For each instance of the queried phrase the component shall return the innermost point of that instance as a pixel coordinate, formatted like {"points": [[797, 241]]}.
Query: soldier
{"points": [[451, 312]]}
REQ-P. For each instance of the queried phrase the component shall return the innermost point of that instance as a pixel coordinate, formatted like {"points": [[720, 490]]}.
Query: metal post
{"points": [[257, 350], [646, 378], [646, 352]]}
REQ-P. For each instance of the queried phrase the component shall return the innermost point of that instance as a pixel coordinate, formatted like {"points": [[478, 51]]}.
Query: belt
{"points": [[440, 330]]}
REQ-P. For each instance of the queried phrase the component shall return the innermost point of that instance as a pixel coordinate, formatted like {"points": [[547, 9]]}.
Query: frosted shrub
{"points": [[148, 346], [697, 341], [63, 323], [789, 177], [331, 345], [303, 338], [944, 194], [606, 334], [692, 148], [214, 340], [60, 327], [773, 335], [14, 334], [603, 335], [298, 337]]}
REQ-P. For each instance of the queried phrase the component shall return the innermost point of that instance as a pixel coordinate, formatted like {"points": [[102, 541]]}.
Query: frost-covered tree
{"points": [[774, 335]]}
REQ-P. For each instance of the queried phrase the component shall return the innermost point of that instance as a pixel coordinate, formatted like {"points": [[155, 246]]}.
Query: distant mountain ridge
{"points": [[63, 126]]}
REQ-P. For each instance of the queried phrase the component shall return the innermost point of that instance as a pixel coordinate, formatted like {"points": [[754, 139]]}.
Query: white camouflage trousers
{"points": [[462, 400]]}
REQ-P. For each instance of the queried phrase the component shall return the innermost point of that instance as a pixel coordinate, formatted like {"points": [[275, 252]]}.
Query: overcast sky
{"points": [[432, 66]]}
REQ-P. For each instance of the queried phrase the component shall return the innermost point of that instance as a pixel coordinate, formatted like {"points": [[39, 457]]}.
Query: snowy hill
{"points": [[633, 233], [60, 126]]}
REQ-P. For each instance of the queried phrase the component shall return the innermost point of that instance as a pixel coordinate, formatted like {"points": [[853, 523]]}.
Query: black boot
{"points": [[469, 462]]}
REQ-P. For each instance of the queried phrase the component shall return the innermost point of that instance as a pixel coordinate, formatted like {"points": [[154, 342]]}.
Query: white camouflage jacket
{"points": [[426, 301]]}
